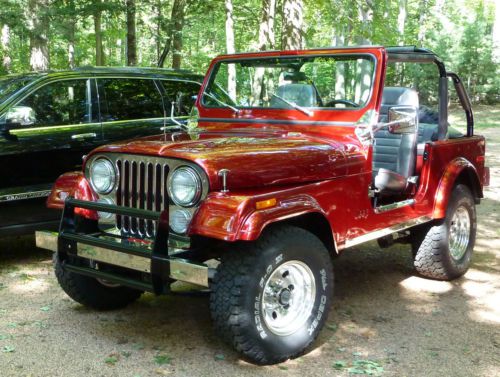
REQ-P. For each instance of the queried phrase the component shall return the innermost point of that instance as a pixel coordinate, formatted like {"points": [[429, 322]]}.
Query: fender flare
{"points": [[454, 169], [235, 217], [74, 185]]}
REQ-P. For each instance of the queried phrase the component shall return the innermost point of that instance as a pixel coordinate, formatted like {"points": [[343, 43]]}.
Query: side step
{"points": [[393, 206]]}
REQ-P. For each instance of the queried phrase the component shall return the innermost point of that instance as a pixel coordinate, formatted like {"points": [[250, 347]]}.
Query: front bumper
{"points": [[152, 265]]}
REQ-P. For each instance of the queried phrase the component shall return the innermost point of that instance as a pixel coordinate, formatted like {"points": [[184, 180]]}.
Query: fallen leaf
{"points": [[162, 359], [8, 349]]}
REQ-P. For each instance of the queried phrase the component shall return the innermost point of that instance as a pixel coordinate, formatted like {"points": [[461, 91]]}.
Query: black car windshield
{"points": [[11, 84], [332, 81]]}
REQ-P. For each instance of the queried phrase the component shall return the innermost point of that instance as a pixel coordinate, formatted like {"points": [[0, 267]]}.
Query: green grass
{"points": [[484, 116]]}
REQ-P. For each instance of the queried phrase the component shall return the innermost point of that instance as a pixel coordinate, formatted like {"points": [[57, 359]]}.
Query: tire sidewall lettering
{"points": [[319, 307]]}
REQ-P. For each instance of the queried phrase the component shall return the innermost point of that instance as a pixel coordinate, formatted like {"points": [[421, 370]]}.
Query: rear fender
{"points": [[75, 185], [456, 169]]}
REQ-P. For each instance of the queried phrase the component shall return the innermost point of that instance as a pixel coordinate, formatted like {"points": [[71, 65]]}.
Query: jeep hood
{"points": [[254, 159]]}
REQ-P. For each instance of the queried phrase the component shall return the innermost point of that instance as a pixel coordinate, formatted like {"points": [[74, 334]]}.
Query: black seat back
{"points": [[300, 94], [395, 152]]}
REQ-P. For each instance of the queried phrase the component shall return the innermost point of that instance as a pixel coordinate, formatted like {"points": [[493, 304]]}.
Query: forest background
{"points": [[61, 34]]}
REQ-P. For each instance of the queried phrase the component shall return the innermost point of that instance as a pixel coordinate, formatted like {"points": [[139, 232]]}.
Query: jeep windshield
{"points": [[291, 82]]}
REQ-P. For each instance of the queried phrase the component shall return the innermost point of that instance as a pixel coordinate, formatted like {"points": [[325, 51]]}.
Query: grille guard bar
{"points": [[71, 244]]}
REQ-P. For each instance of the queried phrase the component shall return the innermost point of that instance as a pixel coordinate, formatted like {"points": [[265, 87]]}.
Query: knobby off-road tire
{"points": [[270, 298], [443, 251], [90, 292]]}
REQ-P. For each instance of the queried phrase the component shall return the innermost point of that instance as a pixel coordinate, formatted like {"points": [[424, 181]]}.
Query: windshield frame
{"points": [[214, 70]]}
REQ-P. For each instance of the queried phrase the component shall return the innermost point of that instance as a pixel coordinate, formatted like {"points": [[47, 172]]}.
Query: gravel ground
{"points": [[385, 321]]}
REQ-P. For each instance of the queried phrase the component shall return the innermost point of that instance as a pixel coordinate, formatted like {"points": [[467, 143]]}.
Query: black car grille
{"points": [[142, 185]]}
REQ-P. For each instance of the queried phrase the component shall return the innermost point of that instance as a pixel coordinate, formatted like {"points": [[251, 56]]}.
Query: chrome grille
{"points": [[142, 185]]}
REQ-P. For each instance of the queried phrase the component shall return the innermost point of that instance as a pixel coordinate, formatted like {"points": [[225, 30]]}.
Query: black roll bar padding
{"points": [[413, 54], [443, 108], [464, 99]]}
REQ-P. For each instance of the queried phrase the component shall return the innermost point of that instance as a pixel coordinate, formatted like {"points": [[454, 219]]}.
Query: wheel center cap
{"points": [[285, 296]]}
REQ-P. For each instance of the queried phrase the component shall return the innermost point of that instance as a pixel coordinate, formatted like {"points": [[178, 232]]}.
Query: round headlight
{"points": [[185, 186], [102, 175], [179, 220], [106, 215]]}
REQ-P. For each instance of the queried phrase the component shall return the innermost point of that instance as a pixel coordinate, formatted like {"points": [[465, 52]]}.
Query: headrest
{"points": [[294, 76], [393, 96], [300, 94]]}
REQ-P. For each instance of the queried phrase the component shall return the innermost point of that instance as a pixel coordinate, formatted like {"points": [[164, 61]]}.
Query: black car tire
{"points": [[246, 279], [92, 293], [443, 251]]}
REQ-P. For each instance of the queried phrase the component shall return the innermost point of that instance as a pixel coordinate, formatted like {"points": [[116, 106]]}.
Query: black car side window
{"points": [[59, 103], [183, 93], [129, 99]]}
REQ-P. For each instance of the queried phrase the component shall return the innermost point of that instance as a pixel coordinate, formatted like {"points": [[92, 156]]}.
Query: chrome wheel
{"points": [[459, 233], [288, 297]]}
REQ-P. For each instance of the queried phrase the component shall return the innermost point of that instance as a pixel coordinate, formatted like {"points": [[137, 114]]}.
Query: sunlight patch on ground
{"points": [[30, 286], [421, 285], [484, 291]]}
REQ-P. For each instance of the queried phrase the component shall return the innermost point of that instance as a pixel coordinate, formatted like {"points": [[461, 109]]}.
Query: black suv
{"points": [[48, 121]]}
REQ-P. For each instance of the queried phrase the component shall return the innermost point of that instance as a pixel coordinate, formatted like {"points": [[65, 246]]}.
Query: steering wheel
{"points": [[334, 102]]}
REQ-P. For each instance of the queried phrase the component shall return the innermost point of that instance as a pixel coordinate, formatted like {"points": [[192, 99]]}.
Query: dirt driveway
{"points": [[386, 320]]}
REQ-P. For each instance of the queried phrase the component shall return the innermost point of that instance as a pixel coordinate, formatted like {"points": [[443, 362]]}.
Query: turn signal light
{"points": [[263, 204]]}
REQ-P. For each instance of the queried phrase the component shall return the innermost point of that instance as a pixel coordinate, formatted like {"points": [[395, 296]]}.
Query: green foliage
{"points": [[459, 31]]}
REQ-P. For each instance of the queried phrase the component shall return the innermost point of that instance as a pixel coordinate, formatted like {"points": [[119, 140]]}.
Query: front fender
{"points": [[454, 169], [74, 185], [233, 217]]}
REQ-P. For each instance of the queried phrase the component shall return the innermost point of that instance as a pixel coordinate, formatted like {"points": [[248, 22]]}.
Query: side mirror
{"points": [[21, 115], [403, 119]]}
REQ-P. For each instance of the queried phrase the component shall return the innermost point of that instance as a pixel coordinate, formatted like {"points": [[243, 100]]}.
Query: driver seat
{"points": [[394, 155]]}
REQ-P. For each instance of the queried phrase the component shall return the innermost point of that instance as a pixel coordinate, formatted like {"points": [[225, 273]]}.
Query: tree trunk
{"points": [[99, 53], [158, 29], [363, 83], [38, 26], [266, 27], [177, 20], [231, 74], [422, 10], [131, 40], [5, 40], [293, 21], [340, 69], [402, 22], [266, 42]]}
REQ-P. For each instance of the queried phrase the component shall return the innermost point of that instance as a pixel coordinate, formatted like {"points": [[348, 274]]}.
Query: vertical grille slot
{"points": [[142, 185]]}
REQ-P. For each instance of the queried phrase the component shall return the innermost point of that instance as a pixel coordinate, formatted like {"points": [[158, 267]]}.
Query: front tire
{"points": [[444, 250], [92, 293], [271, 298]]}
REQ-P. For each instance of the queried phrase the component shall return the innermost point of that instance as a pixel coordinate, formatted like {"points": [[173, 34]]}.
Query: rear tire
{"points": [[271, 298], [90, 292], [443, 251]]}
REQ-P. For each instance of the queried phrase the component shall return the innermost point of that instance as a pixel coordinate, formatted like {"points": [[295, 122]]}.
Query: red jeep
{"points": [[290, 158]]}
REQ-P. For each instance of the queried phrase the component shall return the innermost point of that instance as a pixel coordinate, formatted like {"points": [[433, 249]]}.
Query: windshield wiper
{"points": [[293, 105], [236, 110]]}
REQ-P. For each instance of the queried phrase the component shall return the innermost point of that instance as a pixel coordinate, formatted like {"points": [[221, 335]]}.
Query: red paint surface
{"points": [[74, 185], [306, 168]]}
